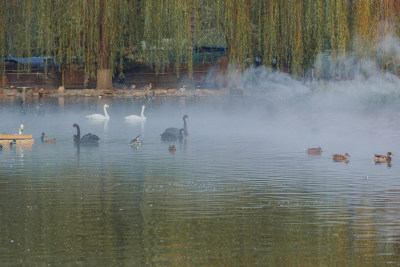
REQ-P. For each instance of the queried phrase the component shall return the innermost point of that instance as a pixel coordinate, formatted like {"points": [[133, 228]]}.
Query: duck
{"points": [[46, 139], [136, 141], [49, 141], [172, 134], [100, 116], [136, 118], [382, 158], [86, 139], [13, 143], [314, 151], [1, 147], [338, 157], [172, 148]]}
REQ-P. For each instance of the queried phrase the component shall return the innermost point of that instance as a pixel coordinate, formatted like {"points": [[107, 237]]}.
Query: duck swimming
{"points": [[13, 143], [382, 158], [314, 151], [172, 148], [338, 157], [172, 134], [136, 141], [86, 139], [46, 139]]}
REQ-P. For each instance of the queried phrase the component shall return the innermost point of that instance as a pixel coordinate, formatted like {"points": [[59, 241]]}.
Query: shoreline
{"points": [[134, 93]]}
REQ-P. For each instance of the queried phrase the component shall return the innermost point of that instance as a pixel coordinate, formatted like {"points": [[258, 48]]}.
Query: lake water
{"points": [[240, 192]]}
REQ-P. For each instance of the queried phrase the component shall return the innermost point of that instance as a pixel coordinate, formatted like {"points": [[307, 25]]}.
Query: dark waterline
{"points": [[242, 191]]}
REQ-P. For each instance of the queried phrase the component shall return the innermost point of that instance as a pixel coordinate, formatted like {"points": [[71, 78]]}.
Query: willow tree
{"points": [[91, 34], [169, 34], [287, 35], [313, 31], [94, 34], [388, 15]]}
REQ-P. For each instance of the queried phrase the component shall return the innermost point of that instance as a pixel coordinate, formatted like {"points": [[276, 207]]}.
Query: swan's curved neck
{"points": [[78, 132], [142, 115], [105, 112]]}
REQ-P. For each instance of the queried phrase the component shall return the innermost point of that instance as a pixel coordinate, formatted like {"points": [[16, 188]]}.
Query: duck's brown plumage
{"points": [[314, 151], [382, 158], [338, 157], [48, 140]]}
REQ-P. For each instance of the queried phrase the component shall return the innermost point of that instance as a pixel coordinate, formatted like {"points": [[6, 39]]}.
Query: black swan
{"points": [[87, 138], [172, 134]]}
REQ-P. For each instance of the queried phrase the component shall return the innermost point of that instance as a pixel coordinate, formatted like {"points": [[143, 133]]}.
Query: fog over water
{"points": [[241, 190]]}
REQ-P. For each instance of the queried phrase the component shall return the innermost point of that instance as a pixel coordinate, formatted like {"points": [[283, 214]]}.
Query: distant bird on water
{"points": [[338, 157], [135, 141], [382, 158], [86, 139], [46, 139], [172, 134], [13, 143], [172, 148], [136, 118], [314, 151], [100, 116]]}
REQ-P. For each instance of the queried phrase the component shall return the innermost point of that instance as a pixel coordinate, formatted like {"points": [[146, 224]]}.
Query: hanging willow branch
{"points": [[287, 35]]}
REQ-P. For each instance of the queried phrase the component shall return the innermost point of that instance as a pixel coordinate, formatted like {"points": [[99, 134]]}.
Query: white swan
{"points": [[136, 118], [100, 116]]}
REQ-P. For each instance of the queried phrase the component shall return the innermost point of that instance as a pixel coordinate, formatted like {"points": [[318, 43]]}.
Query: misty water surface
{"points": [[241, 191]]}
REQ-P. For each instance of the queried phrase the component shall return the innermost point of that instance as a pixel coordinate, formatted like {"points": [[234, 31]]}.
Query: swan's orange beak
{"points": [[187, 137]]}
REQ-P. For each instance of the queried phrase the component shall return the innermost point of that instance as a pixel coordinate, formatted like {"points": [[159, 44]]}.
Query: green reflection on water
{"points": [[160, 212], [88, 217]]}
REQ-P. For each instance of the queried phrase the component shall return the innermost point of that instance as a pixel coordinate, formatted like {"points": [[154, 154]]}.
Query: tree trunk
{"points": [[104, 79], [104, 75]]}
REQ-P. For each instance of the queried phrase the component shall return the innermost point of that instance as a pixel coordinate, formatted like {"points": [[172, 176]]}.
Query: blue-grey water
{"points": [[240, 192]]}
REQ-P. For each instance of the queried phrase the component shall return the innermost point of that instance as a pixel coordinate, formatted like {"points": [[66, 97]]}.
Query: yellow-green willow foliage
{"points": [[92, 33], [364, 28], [313, 30], [289, 35], [235, 22], [169, 33]]}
